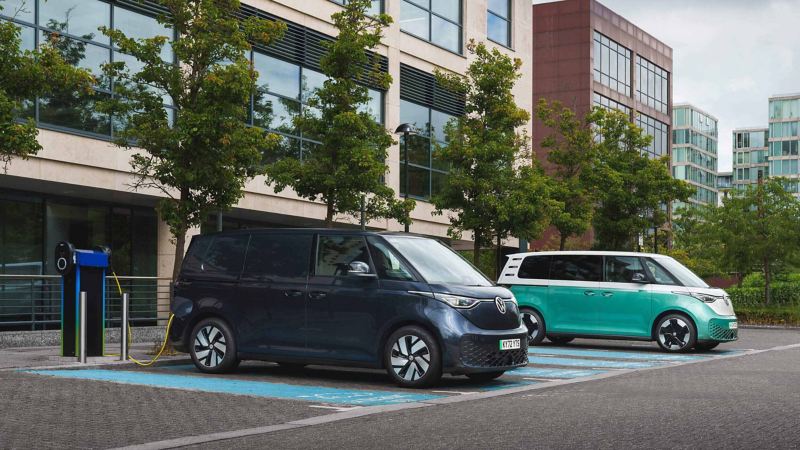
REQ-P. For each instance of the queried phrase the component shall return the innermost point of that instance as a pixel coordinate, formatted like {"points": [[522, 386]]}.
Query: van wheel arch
{"points": [[385, 337], [653, 331]]}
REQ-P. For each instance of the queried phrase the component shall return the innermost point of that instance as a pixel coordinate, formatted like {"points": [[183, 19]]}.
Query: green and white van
{"points": [[618, 295]]}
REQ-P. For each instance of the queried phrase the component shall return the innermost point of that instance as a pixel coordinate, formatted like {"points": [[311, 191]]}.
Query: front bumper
{"points": [[481, 353], [719, 329]]}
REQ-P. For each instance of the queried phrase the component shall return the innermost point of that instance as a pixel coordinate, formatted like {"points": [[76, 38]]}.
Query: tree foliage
{"points": [[570, 152], [492, 189], [25, 75], [632, 189], [348, 164], [201, 159]]}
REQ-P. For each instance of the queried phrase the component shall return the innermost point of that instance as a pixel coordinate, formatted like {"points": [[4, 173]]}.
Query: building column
{"points": [[165, 262]]}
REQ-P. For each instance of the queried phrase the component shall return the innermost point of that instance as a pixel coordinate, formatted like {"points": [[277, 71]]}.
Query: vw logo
{"points": [[501, 305]]}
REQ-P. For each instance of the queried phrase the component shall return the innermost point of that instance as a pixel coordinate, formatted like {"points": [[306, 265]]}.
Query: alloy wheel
{"points": [[532, 324], [209, 346], [674, 334], [410, 358]]}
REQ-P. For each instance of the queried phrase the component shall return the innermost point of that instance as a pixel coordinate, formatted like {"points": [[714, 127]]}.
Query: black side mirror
{"points": [[640, 278]]}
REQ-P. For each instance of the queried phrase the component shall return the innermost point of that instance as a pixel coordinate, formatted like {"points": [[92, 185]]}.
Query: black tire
{"points": [[412, 357], [213, 351], [675, 333], [705, 346], [534, 322], [560, 339], [483, 377]]}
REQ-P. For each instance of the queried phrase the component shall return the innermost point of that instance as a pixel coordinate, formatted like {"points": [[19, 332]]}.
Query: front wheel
{"points": [[213, 348], [675, 333], [534, 322], [412, 357], [483, 377]]}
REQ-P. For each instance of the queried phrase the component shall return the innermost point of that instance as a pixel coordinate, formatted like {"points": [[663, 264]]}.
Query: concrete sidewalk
{"points": [[40, 357]]}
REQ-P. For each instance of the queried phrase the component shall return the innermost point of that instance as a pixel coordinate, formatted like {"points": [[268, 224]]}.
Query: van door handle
{"points": [[589, 293], [608, 294], [317, 295], [292, 293]]}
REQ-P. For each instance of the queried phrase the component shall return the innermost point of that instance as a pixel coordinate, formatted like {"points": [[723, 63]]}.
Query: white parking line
{"points": [[455, 392], [335, 408]]}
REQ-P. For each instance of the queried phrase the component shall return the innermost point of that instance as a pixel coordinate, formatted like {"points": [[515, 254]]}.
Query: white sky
{"points": [[729, 56]]}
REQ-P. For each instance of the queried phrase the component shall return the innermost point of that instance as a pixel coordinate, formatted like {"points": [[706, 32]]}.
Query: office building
{"points": [[784, 138], [694, 153], [724, 185], [749, 156]]}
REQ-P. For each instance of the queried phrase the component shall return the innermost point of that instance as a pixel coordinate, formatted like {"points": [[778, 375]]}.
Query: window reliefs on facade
{"points": [[498, 22], [436, 21]]}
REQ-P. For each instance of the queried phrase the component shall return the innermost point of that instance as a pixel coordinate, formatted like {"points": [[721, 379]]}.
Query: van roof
{"points": [[586, 252], [316, 230]]}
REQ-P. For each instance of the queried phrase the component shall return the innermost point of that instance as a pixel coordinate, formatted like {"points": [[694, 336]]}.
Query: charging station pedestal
{"points": [[82, 271]]}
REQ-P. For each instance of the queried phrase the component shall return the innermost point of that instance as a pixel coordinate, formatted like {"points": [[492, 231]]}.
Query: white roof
{"points": [[586, 252]]}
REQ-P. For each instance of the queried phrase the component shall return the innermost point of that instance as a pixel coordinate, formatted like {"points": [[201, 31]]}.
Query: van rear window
{"points": [[218, 257], [577, 268], [535, 267]]}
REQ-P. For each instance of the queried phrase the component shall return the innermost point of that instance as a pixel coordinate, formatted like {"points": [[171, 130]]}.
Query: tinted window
{"points": [[388, 265], [225, 256], [659, 274], [537, 267], [278, 256], [336, 253], [576, 268], [620, 269], [194, 257]]}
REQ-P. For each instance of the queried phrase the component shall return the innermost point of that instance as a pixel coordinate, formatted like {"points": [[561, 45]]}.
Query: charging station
{"points": [[82, 271]]}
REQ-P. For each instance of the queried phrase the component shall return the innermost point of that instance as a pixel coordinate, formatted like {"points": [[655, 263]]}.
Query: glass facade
{"points": [[436, 21], [72, 26], [784, 109], [498, 22], [652, 86], [607, 103], [612, 64], [426, 173], [694, 153], [783, 143], [783, 129], [783, 148], [783, 167], [659, 146]]}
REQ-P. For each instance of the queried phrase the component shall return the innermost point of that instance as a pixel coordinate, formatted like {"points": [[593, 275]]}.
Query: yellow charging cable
{"points": [[130, 334]]}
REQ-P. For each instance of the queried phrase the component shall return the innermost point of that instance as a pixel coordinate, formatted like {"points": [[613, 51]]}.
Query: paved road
{"points": [[738, 399]]}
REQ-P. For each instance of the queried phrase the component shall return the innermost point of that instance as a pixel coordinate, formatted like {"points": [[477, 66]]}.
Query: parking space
{"points": [[343, 389]]}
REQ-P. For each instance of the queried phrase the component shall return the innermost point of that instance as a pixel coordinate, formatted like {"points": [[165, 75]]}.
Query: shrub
{"points": [[787, 294]]}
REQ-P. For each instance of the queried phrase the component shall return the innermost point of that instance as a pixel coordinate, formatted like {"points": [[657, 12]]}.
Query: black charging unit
{"points": [[82, 271]]}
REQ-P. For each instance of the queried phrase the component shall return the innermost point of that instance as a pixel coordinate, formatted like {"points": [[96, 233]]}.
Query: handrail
{"points": [[50, 277]]}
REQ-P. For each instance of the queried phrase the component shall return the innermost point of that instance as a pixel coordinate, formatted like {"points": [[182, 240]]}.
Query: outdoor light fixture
{"points": [[406, 130]]}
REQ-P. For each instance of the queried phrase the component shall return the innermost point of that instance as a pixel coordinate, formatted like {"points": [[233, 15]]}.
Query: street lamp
{"points": [[406, 130]]}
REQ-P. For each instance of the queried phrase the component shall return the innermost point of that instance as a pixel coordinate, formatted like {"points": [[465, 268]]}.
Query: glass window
{"points": [[658, 273], [651, 87], [78, 53], [500, 7], [576, 268], [437, 263], [387, 263], [21, 237], [436, 21], [611, 64], [621, 269], [679, 272], [75, 111], [336, 253], [375, 9], [426, 173], [657, 129], [498, 25], [76, 17], [225, 257], [608, 104], [535, 267], [139, 26], [277, 76], [277, 257], [22, 10]]}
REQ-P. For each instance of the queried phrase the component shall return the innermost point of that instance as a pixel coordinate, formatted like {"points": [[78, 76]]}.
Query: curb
{"points": [[49, 338]]}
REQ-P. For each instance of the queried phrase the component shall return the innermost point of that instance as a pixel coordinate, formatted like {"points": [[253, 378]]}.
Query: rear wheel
{"points": [[560, 339], [483, 377], [412, 357], [705, 346], [675, 333], [213, 347], [534, 322]]}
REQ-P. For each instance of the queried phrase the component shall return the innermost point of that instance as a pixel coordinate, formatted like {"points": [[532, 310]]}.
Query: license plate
{"points": [[509, 344], [733, 325]]}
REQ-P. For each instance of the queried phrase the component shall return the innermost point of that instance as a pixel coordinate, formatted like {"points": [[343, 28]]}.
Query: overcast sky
{"points": [[729, 56]]}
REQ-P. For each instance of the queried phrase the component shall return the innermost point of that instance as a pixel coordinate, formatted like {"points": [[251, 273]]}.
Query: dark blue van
{"points": [[402, 302]]}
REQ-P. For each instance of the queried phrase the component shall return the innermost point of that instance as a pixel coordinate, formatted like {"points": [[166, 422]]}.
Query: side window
{"points": [[277, 257], [336, 253], [620, 269], [387, 264], [576, 268], [224, 257], [536, 267], [194, 257], [659, 274]]}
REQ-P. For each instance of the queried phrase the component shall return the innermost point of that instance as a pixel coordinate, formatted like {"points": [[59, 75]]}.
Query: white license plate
{"points": [[509, 344], [733, 325]]}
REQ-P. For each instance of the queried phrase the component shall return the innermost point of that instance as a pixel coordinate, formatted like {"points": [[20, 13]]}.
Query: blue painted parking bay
{"points": [[600, 363], [612, 354], [319, 394]]}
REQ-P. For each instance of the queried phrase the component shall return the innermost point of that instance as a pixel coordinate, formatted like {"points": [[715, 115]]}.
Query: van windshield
{"points": [[682, 273], [436, 262]]}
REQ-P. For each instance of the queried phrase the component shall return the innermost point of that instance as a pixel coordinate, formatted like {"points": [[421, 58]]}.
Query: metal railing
{"points": [[33, 302]]}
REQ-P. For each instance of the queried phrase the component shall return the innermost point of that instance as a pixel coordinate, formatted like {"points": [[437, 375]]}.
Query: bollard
{"points": [[123, 329], [82, 315]]}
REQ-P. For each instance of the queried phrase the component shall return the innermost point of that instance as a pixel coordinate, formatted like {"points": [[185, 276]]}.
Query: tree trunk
{"points": [[562, 241], [180, 246], [498, 259], [476, 251], [767, 281], [329, 215]]}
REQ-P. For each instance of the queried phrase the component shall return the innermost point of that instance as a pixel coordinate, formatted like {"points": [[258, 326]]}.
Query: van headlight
{"points": [[705, 298], [457, 301]]}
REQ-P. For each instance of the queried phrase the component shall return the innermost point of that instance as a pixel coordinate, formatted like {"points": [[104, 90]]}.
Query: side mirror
{"points": [[639, 277], [359, 269]]}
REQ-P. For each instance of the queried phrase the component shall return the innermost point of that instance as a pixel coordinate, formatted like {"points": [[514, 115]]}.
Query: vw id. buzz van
{"points": [[405, 303], [616, 295]]}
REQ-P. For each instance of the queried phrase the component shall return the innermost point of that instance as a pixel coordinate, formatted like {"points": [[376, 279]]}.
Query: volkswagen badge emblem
{"points": [[501, 305]]}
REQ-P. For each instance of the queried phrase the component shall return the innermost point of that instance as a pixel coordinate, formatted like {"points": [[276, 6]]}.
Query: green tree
{"points": [[491, 188], [631, 188], [201, 159], [348, 164], [25, 75], [570, 148]]}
